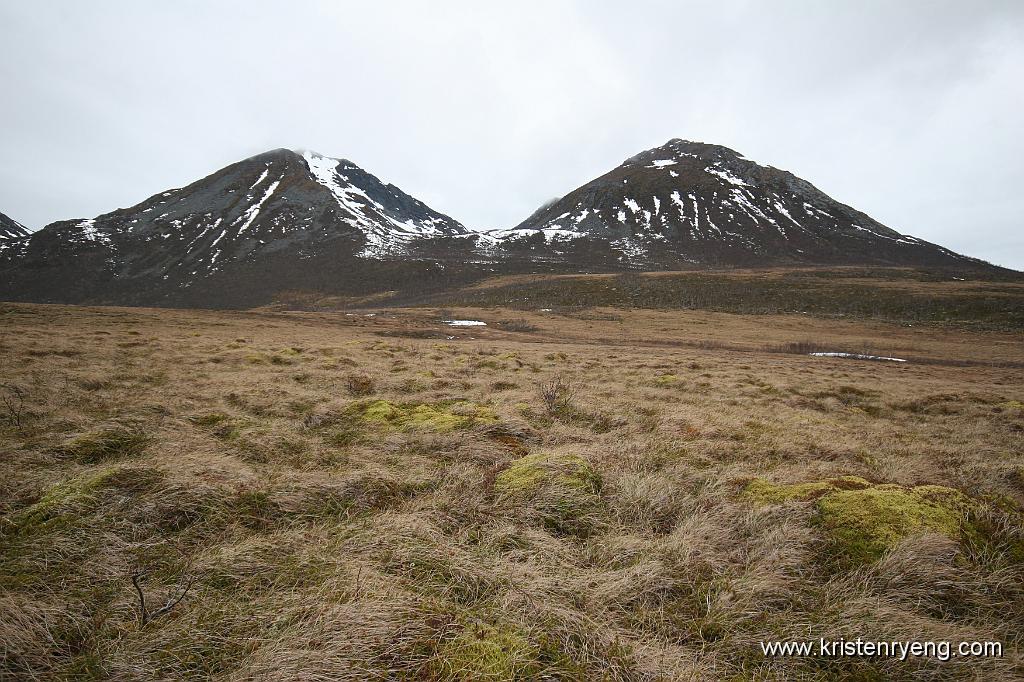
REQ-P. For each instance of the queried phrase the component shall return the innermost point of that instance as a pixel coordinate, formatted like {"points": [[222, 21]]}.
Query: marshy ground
{"points": [[570, 494]]}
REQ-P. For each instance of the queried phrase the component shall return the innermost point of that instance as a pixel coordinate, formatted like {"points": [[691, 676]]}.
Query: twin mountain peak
{"points": [[297, 220]]}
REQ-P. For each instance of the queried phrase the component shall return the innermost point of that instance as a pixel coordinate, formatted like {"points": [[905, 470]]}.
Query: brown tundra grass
{"points": [[627, 495]]}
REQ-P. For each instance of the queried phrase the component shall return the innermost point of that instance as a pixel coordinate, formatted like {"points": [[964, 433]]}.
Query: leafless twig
{"points": [[557, 395], [145, 616], [14, 401]]}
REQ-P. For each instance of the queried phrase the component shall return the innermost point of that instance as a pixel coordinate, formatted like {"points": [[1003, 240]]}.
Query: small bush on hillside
{"points": [[558, 396], [359, 385], [519, 325]]}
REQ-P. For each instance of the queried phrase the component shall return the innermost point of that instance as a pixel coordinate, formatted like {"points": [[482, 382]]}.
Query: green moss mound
{"points": [[864, 520], [559, 491], [484, 652], [765, 492], [528, 474], [865, 523], [442, 416], [61, 505]]}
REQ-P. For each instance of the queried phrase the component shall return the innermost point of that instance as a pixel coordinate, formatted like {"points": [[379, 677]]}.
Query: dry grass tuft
{"points": [[613, 495]]}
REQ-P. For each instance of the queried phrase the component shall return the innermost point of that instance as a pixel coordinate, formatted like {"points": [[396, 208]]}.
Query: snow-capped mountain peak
{"points": [[279, 211], [690, 202], [11, 228], [286, 221], [387, 217]]}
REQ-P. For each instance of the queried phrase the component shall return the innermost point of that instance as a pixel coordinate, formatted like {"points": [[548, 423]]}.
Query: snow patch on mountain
{"points": [[385, 234], [89, 232], [728, 176], [11, 229], [254, 210]]}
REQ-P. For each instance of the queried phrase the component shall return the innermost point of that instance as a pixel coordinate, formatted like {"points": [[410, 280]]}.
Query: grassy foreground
{"points": [[597, 494]]}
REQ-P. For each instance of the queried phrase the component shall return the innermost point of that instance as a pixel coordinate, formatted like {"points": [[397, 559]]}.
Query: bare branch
{"points": [[171, 602], [14, 401], [143, 612]]}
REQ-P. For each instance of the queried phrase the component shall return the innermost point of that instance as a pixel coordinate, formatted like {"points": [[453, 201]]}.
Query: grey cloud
{"points": [[908, 111]]}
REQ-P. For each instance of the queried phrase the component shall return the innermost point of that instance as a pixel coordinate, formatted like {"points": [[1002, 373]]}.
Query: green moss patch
{"points": [[865, 523], [441, 416], [529, 474], [484, 652], [560, 491], [864, 520], [765, 492], [61, 505]]}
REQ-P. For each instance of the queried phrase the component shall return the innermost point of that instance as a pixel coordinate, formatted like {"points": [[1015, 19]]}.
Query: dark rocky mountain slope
{"points": [[11, 228], [277, 221], [689, 203], [287, 221]]}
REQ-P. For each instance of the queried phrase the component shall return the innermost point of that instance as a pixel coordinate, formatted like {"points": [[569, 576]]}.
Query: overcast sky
{"points": [[909, 111]]}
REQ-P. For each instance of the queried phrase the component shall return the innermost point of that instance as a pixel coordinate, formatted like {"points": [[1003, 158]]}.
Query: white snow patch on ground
{"points": [[630, 249], [727, 176], [632, 205], [856, 356], [678, 201], [747, 206], [661, 163], [219, 236], [254, 210], [90, 232], [696, 212], [811, 210], [495, 237], [558, 234], [782, 209], [872, 232], [465, 323]]}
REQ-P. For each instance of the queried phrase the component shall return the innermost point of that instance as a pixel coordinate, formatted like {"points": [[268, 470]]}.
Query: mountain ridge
{"points": [[708, 204], [298, 220], [11, 228]]}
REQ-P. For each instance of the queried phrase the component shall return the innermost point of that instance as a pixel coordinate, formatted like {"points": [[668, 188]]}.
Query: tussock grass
{"points": [[634, 495], [444, 416], [106, 444], [560, 492]]}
